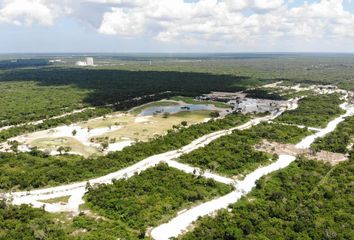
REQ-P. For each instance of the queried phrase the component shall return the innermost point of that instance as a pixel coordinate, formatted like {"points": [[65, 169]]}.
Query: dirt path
{"points": [[41, 121], [180, 224], [77, 190]]}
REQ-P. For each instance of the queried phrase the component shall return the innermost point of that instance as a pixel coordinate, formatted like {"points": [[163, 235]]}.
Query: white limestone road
{"points": [[179, 224], [41, 121], [77, 190], [307, 141], [189, 169]]}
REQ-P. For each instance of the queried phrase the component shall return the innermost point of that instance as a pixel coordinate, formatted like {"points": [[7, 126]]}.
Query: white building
{"points": [[89, 62], [250, 105]]}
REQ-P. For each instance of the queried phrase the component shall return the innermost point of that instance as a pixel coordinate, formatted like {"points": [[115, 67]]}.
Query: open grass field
{"points": [[144, 128], [128, 128], [52, 144]]}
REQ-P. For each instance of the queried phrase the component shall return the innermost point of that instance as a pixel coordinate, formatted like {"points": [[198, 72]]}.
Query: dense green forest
{"points": [[314, 111], [152, 197], [124, 84], [235, 154], [22, 63], [24, 222], [336, 69], [36, 169], [262, 93], [279, 133], [33, 94], [230, 155], [338, 140], [307, 200], [51, 123], [29, 101]]}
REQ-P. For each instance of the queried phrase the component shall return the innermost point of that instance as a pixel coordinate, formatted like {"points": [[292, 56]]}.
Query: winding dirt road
{"points": [[180, 224], [77, 190]]}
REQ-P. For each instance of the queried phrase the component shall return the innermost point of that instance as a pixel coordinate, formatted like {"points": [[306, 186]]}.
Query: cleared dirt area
{"points": [[116, 131], [144, 128], [290, 149]]}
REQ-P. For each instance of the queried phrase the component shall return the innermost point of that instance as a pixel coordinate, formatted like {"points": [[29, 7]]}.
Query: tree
{"points": [[14, 145], [104, 145], [165, 114], [60, 150], [214, 114], [184, 123]]}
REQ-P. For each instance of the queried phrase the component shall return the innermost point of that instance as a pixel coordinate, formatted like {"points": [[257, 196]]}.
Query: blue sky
{"points": [[176, 26]]}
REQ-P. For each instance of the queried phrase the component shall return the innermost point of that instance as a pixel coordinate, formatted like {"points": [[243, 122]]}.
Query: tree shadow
{"points": [[117, 86]]}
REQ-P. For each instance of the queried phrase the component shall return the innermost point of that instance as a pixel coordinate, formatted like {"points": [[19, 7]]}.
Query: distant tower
{"points": [[89, 61]]}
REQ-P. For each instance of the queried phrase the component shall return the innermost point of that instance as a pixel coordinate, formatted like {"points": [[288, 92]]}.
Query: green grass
{"points": [[64, 199], [191, 100]]}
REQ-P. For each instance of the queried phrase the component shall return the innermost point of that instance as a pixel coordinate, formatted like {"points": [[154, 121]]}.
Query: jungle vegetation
{"points": [[236, 154], [37, 169], [34, 94], [339, 140], [25, 222], [152, 197], [314, 111], [307, 200]]}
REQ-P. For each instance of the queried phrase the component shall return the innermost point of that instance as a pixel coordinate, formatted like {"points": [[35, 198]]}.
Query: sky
{"points": [[121, 26]]}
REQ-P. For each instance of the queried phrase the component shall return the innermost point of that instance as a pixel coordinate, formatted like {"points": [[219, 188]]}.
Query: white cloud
{"points": [[214, 21], [124, 23], [26, 12]]}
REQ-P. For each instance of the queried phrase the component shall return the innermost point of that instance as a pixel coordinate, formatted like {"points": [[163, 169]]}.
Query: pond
{"points": [[175, 109]]}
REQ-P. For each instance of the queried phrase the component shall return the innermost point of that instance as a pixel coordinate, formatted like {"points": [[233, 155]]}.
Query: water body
{"points": [[175, 109]]}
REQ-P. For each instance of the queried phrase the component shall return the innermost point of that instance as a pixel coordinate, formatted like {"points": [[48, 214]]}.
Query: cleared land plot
{"points": [[152, 197], [235, 154], [36, 169], [307, 200], [52, 144], [314, 111], [290, 149], [145, 128], [131, 128]]}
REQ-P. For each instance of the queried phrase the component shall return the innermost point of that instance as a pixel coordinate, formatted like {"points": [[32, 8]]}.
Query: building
{"points": [[89, 62], [251, 105]]}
